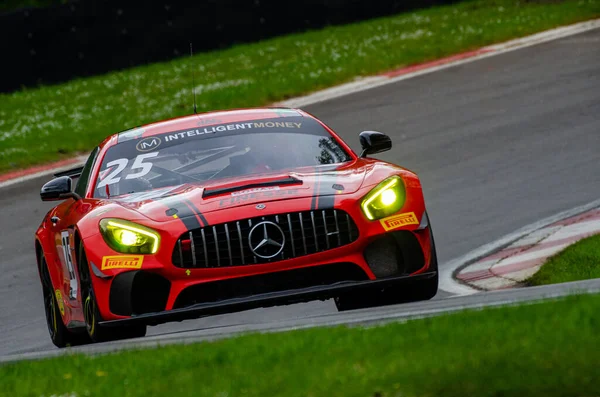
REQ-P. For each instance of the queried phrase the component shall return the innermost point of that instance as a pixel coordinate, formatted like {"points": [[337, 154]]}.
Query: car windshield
{"points": [[214, 152]]}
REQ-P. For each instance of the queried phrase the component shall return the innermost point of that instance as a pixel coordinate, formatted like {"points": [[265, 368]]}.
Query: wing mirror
{"points": [[374, 142], [58, 189]]}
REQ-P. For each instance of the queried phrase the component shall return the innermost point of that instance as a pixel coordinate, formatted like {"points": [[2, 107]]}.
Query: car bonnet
{"points": [[187, 200]]}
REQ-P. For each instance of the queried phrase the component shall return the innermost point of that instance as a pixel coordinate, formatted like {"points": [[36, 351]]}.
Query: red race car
{"points": [[228, 211]]}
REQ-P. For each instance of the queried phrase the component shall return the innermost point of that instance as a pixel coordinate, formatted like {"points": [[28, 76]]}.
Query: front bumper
{"points": [[263, 300], [166, 283]]}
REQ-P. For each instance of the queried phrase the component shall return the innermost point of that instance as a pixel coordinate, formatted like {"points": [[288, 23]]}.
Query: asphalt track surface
{"points": [[498, 143]]}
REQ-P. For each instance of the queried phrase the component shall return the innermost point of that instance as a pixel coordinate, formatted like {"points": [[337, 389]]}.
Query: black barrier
{"points": [[82, 38]]}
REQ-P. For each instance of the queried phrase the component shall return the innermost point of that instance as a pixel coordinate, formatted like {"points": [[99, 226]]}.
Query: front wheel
{"points": [[99, 333], [91, 313], [60, 335]]}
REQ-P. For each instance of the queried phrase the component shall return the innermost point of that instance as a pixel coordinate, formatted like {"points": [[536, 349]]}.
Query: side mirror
{"points": [[374, 142], [58, 189]]}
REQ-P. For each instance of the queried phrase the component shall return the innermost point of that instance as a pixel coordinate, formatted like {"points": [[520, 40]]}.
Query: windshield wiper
{"points": [[277, 182]]}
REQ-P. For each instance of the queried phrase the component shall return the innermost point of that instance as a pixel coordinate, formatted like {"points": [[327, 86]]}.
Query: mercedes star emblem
{"points": [[266, 239], [260, 206]]}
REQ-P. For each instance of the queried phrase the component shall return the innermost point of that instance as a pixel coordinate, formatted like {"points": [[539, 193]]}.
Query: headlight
{"points": [[128, 237], [385, 199]]}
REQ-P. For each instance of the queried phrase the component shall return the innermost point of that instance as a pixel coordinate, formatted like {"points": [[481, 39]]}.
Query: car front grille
{"points": [[228, 244]]}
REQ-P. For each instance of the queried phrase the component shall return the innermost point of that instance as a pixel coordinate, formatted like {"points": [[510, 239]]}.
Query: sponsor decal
{"points": [[230, 127], [257, 196], [122, 262], [254, 190], [396, 221], [147, 144], [120, 165], [59, 301], [67, 246]]}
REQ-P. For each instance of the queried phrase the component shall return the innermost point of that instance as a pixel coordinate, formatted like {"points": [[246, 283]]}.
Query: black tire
{"points": [[60, 335], [98, 333], [91, 313], [404, 293]]}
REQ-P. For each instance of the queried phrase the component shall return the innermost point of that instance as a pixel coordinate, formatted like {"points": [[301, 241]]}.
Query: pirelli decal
{"points": [[122, 262], [396, 221]]}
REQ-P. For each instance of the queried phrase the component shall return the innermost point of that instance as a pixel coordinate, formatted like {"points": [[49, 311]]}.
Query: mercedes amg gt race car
{"points": [[227, 211]]}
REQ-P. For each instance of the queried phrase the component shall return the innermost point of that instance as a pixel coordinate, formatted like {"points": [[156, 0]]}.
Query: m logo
{"points": [[147, 144]]}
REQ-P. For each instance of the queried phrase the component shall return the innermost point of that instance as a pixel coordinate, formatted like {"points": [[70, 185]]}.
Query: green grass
{"points": [[10, 5], [544, 349], [580, 261], [53, 122]]}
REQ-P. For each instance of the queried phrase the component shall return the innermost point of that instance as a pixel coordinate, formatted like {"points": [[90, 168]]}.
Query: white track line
{"points": [[363, 318], [449, 284], [368, 83], [25, 178]]}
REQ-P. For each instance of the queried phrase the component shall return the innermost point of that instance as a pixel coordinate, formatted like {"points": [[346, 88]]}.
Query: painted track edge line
{"points": [[45, 170], [369, 82], [564, 290], [448, 281]]}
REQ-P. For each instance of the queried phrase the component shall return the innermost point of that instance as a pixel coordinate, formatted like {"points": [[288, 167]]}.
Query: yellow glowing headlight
{"points": [[388, 197], [128, 237], [385, 199]]}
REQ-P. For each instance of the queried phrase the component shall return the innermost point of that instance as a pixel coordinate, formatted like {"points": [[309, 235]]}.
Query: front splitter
{"points": [[263, 300]]}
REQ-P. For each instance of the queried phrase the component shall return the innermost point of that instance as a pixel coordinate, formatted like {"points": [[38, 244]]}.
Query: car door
{"points": [[64, 221]]}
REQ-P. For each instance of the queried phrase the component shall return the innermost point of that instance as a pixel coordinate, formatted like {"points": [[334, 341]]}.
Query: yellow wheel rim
{"points": [[89, 309], [54, 320]]}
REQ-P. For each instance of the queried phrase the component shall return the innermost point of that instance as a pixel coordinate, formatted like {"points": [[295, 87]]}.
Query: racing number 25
{"points": [[120, 164]]}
